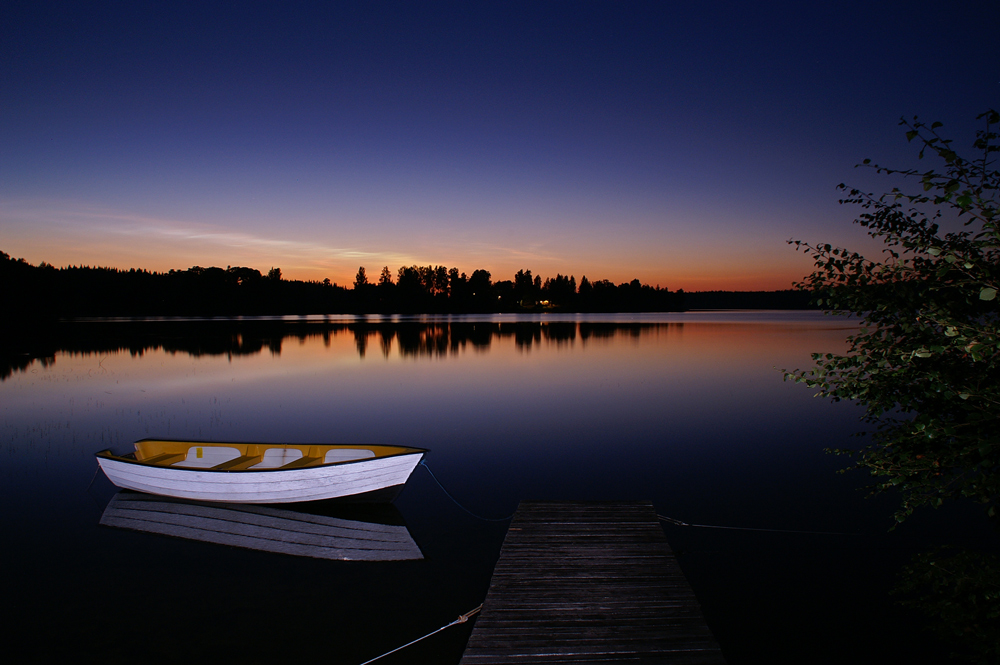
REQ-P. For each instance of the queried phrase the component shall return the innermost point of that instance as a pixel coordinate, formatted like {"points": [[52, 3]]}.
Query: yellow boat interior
{"points": [[250, 456]]}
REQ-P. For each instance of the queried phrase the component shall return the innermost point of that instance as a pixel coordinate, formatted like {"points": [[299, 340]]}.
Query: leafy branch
{"points": [[925, 362]]}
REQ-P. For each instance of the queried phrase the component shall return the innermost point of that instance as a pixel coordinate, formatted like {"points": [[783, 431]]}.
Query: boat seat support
{"points": [[239, 463], [164, 459], [301, 462]]}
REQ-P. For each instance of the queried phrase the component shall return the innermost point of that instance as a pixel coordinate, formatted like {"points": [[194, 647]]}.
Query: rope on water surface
{"points": [[461, 619], [671, 520], [455, 501]]}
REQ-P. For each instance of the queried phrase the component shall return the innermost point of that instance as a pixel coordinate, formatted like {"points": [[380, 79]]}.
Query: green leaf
{"points": [[988, 294]]}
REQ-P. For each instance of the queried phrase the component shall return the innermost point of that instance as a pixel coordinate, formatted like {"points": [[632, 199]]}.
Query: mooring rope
{"points": [[671, 520], [455, 501], [89, 493], [461, 619], [91, 484]]}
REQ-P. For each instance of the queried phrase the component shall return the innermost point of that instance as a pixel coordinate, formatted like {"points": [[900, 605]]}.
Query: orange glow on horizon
{"points": [[689, 277]]}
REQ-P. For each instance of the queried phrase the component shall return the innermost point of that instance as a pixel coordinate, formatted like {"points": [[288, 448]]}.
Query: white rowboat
{"points": [[260, 472]]}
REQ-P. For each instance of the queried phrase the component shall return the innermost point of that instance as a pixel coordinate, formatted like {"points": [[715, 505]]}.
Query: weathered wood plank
{"points": [[589, 583]]}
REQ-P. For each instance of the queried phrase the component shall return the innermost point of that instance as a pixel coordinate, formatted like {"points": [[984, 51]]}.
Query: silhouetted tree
{"points": [[524, 288], [245, 276], [504, 297], [386, 292], [480, 280], [386, 277], [481, 298], [560, 290], [585, 294], [409, 289], [361, 279], [440, 280]]}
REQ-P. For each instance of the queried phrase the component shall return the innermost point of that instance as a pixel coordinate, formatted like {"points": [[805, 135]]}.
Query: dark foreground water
{"points": [[686, 410]]}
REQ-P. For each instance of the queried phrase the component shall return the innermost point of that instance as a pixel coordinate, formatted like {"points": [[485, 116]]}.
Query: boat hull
{"points": [[317, 483]]}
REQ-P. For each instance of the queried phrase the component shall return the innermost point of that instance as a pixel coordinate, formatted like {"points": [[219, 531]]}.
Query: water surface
{"points": [[687, 410]]}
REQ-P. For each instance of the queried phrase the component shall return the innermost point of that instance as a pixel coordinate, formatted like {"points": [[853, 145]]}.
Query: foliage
{"points": [[925, 362], [959, 591]]}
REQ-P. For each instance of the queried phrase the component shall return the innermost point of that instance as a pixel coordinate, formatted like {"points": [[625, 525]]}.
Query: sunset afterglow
{"points": [[680, 145]]}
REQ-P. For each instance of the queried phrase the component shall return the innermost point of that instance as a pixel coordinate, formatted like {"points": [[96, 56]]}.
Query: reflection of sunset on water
{"points": [[362, 375], [686, 410]]}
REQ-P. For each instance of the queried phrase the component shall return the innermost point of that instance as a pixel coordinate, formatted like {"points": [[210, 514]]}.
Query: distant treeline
{"points": [[44, 292], [83, 291]]}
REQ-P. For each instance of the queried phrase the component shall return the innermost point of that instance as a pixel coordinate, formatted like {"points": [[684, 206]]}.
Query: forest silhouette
{"points": [[44, 292], [84, 291]]}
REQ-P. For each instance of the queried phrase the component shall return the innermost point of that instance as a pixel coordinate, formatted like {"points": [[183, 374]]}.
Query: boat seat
{"points": [[301, 462], [164, 459], [239, 463]]}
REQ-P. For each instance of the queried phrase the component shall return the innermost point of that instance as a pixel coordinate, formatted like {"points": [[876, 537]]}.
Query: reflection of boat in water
{"points": [[363, 536], [260, 472]]}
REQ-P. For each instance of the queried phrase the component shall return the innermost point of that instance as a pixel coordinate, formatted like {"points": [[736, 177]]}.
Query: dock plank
{"points": [[589, 583]]}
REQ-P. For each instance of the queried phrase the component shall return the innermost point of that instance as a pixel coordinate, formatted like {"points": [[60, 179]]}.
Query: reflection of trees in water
{"points": [[439, 339], [609, 330], [250, 337], [20, 362]]}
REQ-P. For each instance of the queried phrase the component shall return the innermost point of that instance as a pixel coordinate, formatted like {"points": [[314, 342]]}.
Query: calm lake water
{"points": [[686, 410]]}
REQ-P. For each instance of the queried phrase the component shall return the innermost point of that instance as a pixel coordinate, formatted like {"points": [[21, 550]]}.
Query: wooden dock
{"points": [[589, 583]]}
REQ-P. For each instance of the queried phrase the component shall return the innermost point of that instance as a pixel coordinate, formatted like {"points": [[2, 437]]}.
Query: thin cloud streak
{"points": [[87, 218], [76, 232], [309, 258]]}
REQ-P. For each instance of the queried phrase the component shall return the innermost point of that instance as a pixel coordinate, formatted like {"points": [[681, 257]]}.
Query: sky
{"points": [[681, 144]]}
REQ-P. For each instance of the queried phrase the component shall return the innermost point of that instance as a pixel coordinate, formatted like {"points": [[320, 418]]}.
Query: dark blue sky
{"points": [[678, 143]]}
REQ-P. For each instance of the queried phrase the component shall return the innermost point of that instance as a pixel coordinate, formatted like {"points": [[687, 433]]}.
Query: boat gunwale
{"points": [[407, 450]]}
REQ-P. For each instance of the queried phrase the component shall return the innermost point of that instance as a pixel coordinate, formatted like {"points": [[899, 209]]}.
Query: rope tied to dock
{"points": [[671, 520], [462, 618]]}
